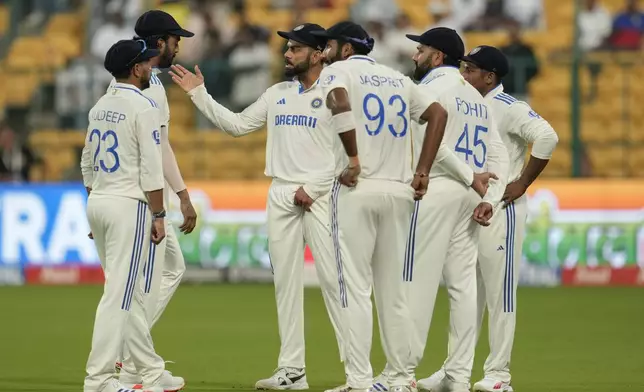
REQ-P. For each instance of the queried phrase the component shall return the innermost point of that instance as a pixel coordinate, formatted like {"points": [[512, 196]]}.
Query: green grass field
{"points": [[224, 337]]}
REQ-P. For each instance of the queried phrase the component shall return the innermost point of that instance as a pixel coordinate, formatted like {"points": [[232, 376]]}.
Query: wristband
{"points": [[160, 214], [343, 122]]}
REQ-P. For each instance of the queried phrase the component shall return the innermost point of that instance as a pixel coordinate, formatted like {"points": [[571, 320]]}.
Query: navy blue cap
{"points": [[157, 22], [349, 32], [304, 35], [444, 39], [490, 59], [124, 54]]}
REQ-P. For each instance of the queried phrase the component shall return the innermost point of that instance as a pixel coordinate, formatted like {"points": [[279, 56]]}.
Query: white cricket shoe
{"points": [[405, 388], [167, 382], [380, 384], [346, 388], [114, 386], [432, 382], [447, 385], [491, 385], [286, 378]]}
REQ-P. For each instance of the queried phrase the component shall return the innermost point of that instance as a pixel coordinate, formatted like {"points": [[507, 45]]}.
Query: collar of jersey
{"points": [[433, 74], [361, 57], [156, 70], [496, 90], [300, 86], [126, 86]]}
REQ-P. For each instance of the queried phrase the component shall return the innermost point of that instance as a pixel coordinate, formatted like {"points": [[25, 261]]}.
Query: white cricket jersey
{"points": [[299, 146], [383, 102], [471, 133], [519, 126], [156, 92], [122, 153]]}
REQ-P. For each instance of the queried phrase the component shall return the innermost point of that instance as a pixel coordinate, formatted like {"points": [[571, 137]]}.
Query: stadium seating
{"points": [[609, 125]]}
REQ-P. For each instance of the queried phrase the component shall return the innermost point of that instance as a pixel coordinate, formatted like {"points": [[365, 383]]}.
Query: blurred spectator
{"points": [[594, 25], [594, 29], [523, 64], [628, 27], [16, 159], [250, 61], [108, 34], [206, 15], [401, 46], [382, 52], [455, 14], [497, 14], [218, 75], [78, 88], [383, 11]]}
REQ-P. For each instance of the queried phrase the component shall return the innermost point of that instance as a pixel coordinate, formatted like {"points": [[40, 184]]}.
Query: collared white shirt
{"points": [[122, 154], [383, 103], [519, 126], [299, 146]]}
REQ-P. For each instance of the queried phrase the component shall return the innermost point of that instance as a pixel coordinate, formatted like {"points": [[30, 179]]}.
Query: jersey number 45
{"points": [[463, 145]]}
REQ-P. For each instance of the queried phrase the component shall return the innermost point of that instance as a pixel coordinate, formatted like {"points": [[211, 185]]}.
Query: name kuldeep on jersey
{"points": [[108, 116]]}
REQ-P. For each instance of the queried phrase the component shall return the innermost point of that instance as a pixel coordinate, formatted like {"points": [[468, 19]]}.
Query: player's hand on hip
{"points": [[189, 217], [158, 230], [483, 213], [349, 176], [420, 184], [186, 79], [513, 191], [482, 182], [302, 199]]}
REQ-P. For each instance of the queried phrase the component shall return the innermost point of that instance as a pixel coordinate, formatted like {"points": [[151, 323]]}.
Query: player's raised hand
{"points": [[302, 199], [158, 230], [186, 79], [349, 176], [513, 191], [420, 184], [483, 213], [189, 217], [482, 181]]}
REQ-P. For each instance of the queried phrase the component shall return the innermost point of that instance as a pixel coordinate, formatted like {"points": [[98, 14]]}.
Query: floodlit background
{"points": [[578, 63]]}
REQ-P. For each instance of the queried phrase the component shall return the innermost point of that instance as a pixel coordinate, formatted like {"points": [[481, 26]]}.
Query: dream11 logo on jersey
{"points": [[45, 225]]}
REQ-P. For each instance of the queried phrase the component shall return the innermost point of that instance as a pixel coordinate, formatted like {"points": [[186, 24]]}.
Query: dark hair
{"points": [[357, 48], [123, 74], [447, 60], [153, 41]]}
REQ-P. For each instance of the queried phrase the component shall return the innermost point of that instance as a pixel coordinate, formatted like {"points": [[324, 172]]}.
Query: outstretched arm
{"points": [[235, 124]]}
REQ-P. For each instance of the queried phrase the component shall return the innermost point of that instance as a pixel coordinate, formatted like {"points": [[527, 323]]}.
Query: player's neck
{"points": [[134, 82], [309, 78]]}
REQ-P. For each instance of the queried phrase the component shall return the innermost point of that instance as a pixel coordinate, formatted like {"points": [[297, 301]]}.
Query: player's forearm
{"points": [[436, 118], [350, 144], [532, 171], [454, 167], [171, 170], [233, 124], [499, 164], [155, 198]]}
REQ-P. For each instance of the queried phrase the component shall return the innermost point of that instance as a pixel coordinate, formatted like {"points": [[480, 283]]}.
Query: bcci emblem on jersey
{"points": [[328, 80], [316, 103]]}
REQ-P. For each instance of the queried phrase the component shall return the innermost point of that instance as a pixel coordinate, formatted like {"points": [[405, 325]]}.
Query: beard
{"points": [[333, 57], [421, 70], [166, 58], [145, 82], [298, 69]]}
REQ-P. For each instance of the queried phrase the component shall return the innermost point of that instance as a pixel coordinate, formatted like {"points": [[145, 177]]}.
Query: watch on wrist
{"points": [[159, 215]]}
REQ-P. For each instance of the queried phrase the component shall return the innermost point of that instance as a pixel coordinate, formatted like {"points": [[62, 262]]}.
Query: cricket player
{"points": [[501, 243], [121, 166], [300, 160], [373, 200], [443, 236], [163, 264]]}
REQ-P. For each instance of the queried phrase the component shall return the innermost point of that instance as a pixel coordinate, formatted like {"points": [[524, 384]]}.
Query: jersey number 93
{"points": [[378, 114]]}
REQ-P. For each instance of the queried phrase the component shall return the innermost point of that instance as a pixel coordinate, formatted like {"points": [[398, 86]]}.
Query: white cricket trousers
{"points": [[121, 228], [443, 241], [289, 228], [498, 276], [162, 272], [370, 223]]}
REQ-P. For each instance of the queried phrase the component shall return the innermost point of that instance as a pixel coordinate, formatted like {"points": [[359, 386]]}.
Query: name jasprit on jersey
{"points": [[377, 81]]}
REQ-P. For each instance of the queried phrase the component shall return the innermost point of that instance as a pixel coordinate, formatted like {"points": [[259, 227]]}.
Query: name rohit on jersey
{"points": [[109, 116], [298, 120], [477, 110], [376, 81]]}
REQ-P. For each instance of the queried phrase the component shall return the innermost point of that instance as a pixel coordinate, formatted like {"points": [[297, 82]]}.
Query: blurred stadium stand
{"points": [[51, 78]]}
